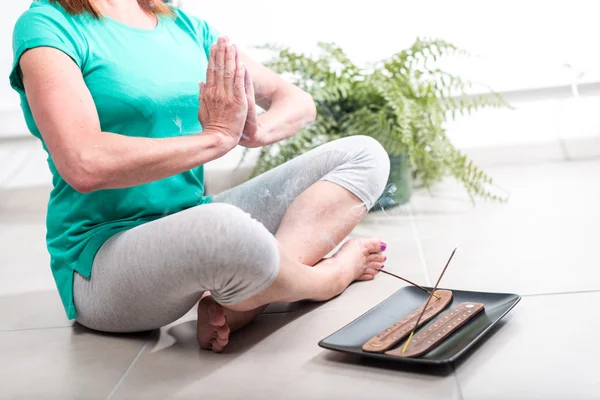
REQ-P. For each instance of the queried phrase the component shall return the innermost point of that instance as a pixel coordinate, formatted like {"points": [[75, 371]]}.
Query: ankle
{"points": [[240, 319], [333, 281]]}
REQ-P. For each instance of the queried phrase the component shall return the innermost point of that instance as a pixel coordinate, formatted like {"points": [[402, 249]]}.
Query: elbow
{"points": [[82, 173], [83, 184]]}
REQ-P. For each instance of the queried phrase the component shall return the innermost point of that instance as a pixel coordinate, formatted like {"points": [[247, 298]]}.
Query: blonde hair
{"points": [[82, 6]]}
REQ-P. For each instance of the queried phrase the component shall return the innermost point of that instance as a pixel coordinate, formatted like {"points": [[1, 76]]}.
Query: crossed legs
{"points": [[313, 224], [259, 243]]}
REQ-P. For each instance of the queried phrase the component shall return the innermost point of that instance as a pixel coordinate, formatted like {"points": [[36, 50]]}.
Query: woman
{"points": [[111, 89]]}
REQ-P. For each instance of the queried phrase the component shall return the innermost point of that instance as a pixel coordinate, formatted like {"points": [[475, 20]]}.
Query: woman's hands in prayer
{"points": [[251, 135], [228, 101], [224, 98]]}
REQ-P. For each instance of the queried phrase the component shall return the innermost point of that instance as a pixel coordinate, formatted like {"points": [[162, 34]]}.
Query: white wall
{"points": [[10, 12], [517, 45], [522, 44], [11, 120]]}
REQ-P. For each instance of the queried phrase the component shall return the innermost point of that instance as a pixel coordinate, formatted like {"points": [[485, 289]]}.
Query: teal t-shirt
{"points": [[144, 83]]}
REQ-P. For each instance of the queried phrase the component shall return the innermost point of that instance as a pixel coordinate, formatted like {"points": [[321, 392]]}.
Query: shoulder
{"points": [[46, 24], [42, 13], [45, 20], [204, 34], [192, 23]]}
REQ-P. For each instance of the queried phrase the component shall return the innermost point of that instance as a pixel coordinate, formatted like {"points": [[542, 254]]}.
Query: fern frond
{"points": [[403, 102]]}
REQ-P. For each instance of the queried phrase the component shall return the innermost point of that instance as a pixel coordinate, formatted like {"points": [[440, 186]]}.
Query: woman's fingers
{"points": [[249, 89], [249, 86], [240, 74], [202, 90], [220, 62], [251, 126], [230, 68], [223, 105], [212, 66]]}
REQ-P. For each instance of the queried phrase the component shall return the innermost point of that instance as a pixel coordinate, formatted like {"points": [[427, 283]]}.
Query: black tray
{"points": [[351, 337]]}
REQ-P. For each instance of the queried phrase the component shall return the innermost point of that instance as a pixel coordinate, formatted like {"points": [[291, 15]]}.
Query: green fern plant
{"points": [[402, 101]]}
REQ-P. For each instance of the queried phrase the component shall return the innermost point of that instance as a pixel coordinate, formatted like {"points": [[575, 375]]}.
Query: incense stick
{"points": [[412, 283], [427, 302]]}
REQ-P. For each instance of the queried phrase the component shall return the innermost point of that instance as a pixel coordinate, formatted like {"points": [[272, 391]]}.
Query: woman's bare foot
{"points": [[357, 260], [213, 329]]}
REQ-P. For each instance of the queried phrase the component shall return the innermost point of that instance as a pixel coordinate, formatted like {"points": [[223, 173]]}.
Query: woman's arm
{"points": [[89, 159], [289, 108]]}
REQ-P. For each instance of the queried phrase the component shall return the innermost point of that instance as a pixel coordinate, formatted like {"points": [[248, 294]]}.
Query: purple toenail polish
{"points": [[383, 246], [382, 266]]}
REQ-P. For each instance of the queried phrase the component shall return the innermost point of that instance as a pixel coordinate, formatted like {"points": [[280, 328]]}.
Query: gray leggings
{"points": [[151, 275]]}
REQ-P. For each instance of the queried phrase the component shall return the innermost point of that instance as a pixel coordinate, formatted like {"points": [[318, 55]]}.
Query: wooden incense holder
{"points": [[395, 333], [440, 330]]}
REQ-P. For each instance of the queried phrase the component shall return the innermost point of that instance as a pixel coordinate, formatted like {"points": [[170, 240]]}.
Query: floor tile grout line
{"points": [[342, 309], [35, 329], [455, 375], [561, 293], [419, 246], [122, 379]]}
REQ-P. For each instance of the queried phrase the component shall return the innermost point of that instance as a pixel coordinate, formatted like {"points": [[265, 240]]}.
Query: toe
{"points": [[366, 277], [216, 347], [216, 315], [375, 245], [371, 271], [223, 332], [377, 257], [220, 342], [205, 344], [375, 265]]}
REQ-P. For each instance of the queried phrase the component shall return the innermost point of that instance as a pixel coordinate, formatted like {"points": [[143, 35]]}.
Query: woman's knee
{"points": [[369, 163], [239, 258], [372, 151]]}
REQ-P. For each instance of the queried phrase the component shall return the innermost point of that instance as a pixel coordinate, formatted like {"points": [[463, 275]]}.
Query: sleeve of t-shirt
{"points": [[205, 33], [43, 27]]}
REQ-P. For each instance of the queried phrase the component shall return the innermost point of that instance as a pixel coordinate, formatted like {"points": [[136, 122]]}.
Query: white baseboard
{"points": [[582, 148], [12, 124], [24, 163], [522, 153]]}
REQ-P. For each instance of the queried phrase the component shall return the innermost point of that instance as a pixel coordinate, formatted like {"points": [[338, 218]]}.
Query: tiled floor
{"points": [[541, 244]]}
